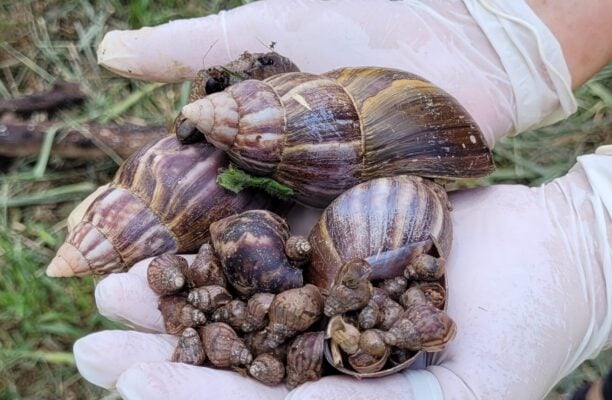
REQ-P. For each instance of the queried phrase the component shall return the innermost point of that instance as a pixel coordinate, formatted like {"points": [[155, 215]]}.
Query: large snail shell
{"points": [[322, 134], [162, 200], [355, 225]]}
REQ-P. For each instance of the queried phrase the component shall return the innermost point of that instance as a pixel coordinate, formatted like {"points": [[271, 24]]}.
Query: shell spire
{"points": [[162, 200]]}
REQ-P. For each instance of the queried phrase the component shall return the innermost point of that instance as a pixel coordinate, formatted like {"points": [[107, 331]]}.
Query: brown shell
{"points": [[434, 327], [223, 347], [381, 311], [425, 267], [434, 292], [293, 311], [251, 247], [208, 298], [178, 314], [322, 134], [298, 249], [205, 269], [162, 200], [189, 349], [355, 225], [352, 289], [305, 358], [394, 287], [267, 369], [256, 342], [232, 313], [164, 274], [257, 312]]}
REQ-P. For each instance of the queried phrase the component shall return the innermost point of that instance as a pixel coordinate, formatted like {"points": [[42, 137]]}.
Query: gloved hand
{"points": [[530, 288], [526, 263]]}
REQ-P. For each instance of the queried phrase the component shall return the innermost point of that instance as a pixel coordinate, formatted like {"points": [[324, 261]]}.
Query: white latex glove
{"points": [[530, 288], [508, 73]]}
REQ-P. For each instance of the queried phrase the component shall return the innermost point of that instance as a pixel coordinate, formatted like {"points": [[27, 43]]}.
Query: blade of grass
{"points": [[27, 62], [132, 99], [51, 196], [58, 357], [45, 152]]}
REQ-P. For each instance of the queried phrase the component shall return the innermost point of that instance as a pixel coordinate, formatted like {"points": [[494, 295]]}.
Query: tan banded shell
{"points": [[162, 200], [322, 134], [356, 225]]}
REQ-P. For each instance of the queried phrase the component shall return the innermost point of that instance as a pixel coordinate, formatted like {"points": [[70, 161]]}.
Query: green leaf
{"points": [[236, 180]]}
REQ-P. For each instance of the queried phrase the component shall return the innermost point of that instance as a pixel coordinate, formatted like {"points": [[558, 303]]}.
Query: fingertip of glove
{"points": [[86, 356], [115, 53]]}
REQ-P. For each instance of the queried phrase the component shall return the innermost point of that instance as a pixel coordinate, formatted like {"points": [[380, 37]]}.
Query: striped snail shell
{"points": [[162, 200], [415, 217], [323, 134]]}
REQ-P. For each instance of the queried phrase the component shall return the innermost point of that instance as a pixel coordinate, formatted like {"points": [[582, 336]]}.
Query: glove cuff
{"points": [[532, 58]]}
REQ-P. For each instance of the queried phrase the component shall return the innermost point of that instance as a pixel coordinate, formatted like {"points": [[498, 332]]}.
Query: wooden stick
{"points": [[62, 94], [93, 140]]}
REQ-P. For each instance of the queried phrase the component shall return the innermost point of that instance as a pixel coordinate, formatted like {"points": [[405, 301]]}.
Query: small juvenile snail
{"points": [[323, 134], [421, 326], [162, 200], [251, 247], [352, 289], [232, 313], [205, 269], [165, 274], [178, 314], [343, 335], [380, 311], [434, 292], [223, 347], [256, 342], [305, 358], [257, 312], [189, 349], [208, 298], [216, 79], [267, 369], [394, 287], [293, 311]]}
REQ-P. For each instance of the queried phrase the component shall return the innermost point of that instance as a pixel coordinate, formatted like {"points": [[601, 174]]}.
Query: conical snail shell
{"points": [[162, 200], [322, 134], [356, 226]]}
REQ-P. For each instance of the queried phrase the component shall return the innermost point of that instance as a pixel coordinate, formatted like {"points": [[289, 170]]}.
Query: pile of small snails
{"points": [[366, 290], [242, 304]]}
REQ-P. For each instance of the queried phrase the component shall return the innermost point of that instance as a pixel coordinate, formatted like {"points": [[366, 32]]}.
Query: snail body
{"points": [[162, 200], [323, 134]]}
